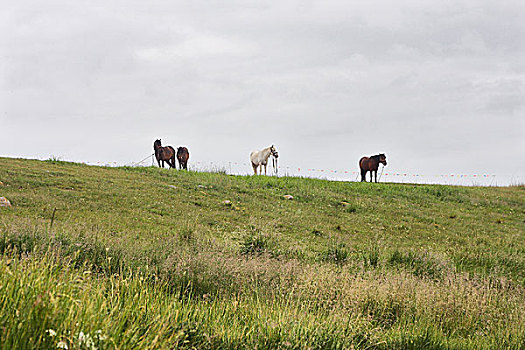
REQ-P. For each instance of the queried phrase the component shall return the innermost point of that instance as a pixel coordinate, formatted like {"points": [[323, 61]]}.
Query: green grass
{"points": [[155, 258]]}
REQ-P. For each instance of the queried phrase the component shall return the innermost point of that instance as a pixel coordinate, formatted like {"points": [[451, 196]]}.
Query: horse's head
{"points": [[274, 151], [157, 144], [382, 158]]}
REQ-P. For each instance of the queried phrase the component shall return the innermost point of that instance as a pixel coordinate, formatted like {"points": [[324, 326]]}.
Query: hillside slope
{"points": [[153, 258]]}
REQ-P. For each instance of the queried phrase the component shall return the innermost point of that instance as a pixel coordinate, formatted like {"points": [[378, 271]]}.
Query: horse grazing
{"points": [[182, 156], [371, 164], [164, 154], [260, 158]]}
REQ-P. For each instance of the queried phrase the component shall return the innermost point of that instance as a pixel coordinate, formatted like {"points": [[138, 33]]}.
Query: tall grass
{"points": [[210, 300], [47, 302]]}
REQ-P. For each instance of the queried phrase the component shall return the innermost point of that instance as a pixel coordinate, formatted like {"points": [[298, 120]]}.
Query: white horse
{"points": [[261, 158]]}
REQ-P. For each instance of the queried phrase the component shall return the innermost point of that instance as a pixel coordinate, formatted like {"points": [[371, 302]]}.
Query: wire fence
{"points": [[244, 168]]}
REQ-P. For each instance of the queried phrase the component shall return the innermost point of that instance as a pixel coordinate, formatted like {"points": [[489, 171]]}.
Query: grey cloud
{"points": [[416, 78]]}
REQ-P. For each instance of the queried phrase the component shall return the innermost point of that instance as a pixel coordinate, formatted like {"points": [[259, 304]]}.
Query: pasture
{"points": [[155, 258]]}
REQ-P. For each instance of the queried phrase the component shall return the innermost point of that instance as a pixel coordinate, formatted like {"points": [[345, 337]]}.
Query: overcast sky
{"points": [[439, 86]]}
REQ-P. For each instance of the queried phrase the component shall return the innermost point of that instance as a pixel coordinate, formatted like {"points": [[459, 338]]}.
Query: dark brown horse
{"points": [[182, 156], [164, 154], [371, 164]]}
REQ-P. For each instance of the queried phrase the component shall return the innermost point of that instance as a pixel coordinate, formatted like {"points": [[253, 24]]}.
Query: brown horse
{"points": [[371, 164], [164, 154], [182, 156]]}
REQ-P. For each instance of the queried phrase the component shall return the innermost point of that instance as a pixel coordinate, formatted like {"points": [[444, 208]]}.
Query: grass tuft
{"points": [[257, 243], [371, 256], [336, 253]]}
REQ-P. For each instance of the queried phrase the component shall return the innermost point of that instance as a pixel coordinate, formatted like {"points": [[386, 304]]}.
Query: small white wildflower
{"points": [[81, 337], [62, 345], [51, 332], [100, 336]]}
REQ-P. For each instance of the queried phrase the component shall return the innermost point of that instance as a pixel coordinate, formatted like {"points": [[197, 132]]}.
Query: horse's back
{"points": [[172, 150], [164, 152]]}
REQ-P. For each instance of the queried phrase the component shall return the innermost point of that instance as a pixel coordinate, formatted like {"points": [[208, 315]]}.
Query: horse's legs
{"points": [[363, 175], [376, 175], [264, 169], [371, 175], [254, 169]]}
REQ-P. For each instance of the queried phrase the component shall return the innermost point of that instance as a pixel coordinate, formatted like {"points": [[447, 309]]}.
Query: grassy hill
{"points": [[95, 257]]}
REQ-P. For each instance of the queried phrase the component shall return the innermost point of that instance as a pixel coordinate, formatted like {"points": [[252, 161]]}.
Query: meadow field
{"points": [[147, 258]]}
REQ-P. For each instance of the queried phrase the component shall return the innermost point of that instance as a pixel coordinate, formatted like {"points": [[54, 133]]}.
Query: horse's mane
{"points": [[374, 157]]}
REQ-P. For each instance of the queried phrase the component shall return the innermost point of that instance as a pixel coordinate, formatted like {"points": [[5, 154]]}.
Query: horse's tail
{"points": [[172, 158], [362, 168], [361, 162]]}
